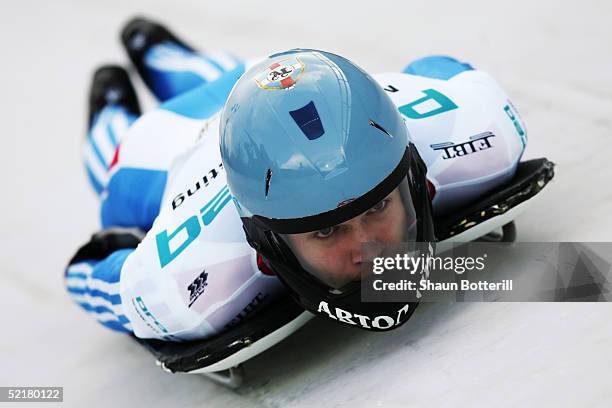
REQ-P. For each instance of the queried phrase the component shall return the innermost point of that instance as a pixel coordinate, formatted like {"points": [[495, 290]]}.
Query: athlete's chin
{"points": [[345, 278]]}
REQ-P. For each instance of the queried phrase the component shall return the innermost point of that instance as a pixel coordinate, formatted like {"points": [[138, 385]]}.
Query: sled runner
{"points": [[220, 357]]}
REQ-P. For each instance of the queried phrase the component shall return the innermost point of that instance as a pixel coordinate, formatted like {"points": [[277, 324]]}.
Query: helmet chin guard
{"points": [[345, 305]]}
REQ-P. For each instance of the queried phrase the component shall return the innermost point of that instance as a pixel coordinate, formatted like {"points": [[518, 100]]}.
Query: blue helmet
{"points": [[311, 145]]}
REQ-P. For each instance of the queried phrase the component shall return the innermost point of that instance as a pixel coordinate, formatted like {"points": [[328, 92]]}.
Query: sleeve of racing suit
{"points": [[92, 276]]}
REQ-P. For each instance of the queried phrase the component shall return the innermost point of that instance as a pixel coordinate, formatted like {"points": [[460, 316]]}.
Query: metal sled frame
{"points": [[220, 357]]}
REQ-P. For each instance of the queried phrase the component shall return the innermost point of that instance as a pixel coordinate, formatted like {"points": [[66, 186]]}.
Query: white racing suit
{"points": [[193, 274]]}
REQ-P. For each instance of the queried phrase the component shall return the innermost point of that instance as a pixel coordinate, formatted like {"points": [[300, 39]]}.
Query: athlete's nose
{"points": [[357, 256], [360, 235]]}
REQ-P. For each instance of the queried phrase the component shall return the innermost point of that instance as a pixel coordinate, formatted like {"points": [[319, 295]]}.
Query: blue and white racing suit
{"points": [[193, 274]]}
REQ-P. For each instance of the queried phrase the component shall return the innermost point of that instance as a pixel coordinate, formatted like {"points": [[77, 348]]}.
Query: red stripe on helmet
{"points": [[287, 82]]}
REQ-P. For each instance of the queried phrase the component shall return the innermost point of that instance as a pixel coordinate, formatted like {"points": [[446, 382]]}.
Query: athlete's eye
{"points": [[378, 207], [325, 232]]}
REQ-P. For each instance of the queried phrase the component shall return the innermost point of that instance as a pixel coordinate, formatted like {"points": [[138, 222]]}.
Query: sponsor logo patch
{"points": [[171, 243], [150, 320], [514, 117], [367, 322], [202, 181], [475, 144], [196, 288]]}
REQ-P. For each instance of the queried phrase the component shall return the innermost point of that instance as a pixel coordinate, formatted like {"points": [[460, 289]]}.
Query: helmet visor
{"points": [[335, 254]]}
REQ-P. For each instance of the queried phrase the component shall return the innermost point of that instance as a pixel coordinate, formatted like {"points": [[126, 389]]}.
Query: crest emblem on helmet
{"points": [[283, 74]]}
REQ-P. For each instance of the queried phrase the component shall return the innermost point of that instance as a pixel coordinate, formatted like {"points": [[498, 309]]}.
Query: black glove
{"points": [[105, 242]]}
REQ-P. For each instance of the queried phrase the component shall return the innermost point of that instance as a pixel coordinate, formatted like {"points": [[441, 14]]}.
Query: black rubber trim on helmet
{"points": [[340, 214]]}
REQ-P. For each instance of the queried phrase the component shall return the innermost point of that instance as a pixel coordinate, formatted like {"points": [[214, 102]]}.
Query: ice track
{"points": [[551, 57]]}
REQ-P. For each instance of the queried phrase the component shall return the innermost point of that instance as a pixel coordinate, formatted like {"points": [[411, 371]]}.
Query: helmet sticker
{"points": [[307, 118], [283, 74]]}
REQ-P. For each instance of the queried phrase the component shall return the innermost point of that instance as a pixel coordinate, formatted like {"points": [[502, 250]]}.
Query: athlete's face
{"points": [[335, 254]]}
